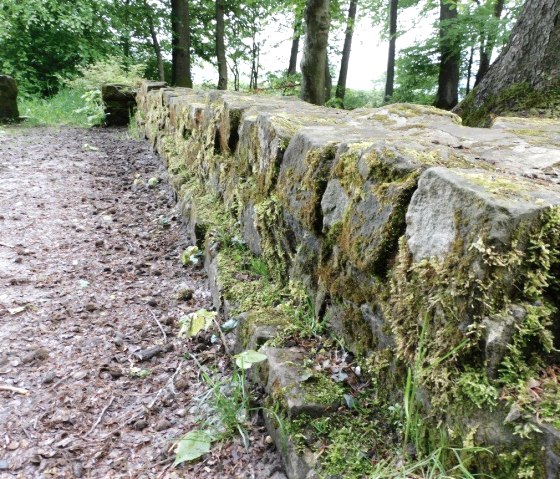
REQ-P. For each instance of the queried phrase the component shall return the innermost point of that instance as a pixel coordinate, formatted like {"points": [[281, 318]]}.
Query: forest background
{"points": [[435, 52]]}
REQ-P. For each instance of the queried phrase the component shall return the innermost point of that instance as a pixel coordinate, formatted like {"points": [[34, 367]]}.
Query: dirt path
{"points": [[89, 282]]}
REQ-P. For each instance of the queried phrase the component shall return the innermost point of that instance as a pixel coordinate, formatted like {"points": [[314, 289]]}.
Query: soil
{"points": [[94, 380]]}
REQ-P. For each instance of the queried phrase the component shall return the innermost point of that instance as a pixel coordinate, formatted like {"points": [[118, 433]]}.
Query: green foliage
{"points": [[112, 69], [362, 99], [64, 108], [283, 84], [42, 41], [417, 72], [92, 107]]}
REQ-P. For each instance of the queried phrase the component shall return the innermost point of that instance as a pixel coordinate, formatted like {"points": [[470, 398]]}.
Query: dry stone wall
{"points": [[429, 249], [8, 99]]}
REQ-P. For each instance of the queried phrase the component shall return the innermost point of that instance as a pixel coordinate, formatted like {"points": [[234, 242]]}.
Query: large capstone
{"points": [[8, 99], [119, 102]]}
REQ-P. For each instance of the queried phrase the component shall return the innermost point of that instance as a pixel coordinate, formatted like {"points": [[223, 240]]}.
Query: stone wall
{"points": [[8, 99], [429, 250], [119, 102]]}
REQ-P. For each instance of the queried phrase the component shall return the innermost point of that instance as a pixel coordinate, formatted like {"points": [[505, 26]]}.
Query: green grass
{"points": [[66, 108]]}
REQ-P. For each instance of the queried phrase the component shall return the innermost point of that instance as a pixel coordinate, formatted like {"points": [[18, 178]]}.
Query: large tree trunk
{"points": [[487, 46], [525, 77], [181, 54], [390, 81], [314, 62], [220, 46], [341, 85], [450, 57], [295, 46], [155, 41]]}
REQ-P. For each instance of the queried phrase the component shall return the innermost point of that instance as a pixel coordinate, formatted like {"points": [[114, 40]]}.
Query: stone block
{"points": [[8, 99], [453, 206], [119, 102]]}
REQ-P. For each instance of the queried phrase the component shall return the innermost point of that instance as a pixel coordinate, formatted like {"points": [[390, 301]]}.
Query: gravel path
{"points": [[94, 381]]}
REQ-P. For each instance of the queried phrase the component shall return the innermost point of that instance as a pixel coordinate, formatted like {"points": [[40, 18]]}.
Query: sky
{"points": [[368, 60]]}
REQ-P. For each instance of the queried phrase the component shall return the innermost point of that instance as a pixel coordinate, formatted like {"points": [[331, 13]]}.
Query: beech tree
{"points": [[181, 43], [341, 85], [314, 61], [220, 46], [292, 65], [447, 95], [488, 41], [525, 76], [390, 79]]}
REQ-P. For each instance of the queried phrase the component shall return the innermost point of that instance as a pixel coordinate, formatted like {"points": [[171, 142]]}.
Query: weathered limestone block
{"points": [[119, 102], [8, 99], [299, 389], [298, 464], [454, 205]]}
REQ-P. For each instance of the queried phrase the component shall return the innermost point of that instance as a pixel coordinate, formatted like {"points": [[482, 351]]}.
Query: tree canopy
{"points": [[44, 43]]}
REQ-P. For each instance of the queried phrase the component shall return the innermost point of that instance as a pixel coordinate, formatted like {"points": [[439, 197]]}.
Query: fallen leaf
{"points": [[193, 323], [246, 359], [192, 446], [17, 310]]}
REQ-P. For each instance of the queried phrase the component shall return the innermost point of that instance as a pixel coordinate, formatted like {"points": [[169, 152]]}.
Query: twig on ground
{"points": [[150, 406], [160, 326], [13, 389], [6, 245], [161, 475], [222, 336], [96, 423], [169, 381]]}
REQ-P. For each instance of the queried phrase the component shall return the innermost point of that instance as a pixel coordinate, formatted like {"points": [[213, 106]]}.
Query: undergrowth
{"points": [[63, 109]]}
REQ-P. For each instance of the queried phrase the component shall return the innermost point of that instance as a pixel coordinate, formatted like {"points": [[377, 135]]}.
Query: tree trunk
{"points": [[328, 79], [181, 55], [486, 48], [526, 74], [313, 64], [469, 69], [155, 41], [341, 85], [295, 45], [126, 33], [450, 57], [390, 81], [220, 46]]}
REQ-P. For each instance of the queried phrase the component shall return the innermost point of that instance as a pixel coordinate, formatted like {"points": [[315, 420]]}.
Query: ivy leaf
{"points": [[191, 256], [192, 445], [193, 323], [247, 358]]}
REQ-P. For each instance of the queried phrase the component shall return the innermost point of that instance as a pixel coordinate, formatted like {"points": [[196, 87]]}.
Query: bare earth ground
{"points": [[89, 264]]}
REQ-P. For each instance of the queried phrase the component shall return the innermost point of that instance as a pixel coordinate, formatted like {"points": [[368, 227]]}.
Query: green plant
{"points": [[112, 69], [231, 405], [140, 373], [259, 267], [63, 109], [92, 107], [306, 322]]}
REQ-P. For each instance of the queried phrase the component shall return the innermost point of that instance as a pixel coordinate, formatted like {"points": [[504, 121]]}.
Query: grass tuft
{"points": [[66, 108]]}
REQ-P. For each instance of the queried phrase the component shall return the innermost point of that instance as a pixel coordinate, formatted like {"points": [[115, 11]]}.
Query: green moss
{"points": [[269, 223], [409, 110], [517, 100], [320, 389]]}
